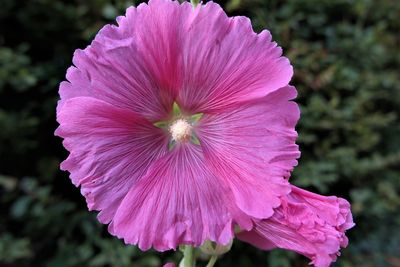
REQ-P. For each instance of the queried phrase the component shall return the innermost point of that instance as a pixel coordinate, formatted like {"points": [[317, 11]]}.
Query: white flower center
{"points": [[180, 130]]}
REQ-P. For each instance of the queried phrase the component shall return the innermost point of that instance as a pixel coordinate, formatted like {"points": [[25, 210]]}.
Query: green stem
{"points": [[194, 2], [212, 261], [188, 257]]}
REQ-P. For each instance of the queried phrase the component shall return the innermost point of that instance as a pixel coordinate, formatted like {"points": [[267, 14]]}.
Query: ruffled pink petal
{"points": [[164, 50], [307, 223], [178, 202], [133, 65], [252, 149], [324, 207], [111, 148], [226, 62], [169, 265]]}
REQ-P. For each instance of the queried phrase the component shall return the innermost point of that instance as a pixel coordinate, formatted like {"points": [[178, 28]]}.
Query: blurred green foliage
{"points": [[346, 55]]}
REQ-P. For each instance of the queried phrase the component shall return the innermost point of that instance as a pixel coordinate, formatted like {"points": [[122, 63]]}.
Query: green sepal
{"points": [[161, 124], [237, 229], [196, 117], [195, 140], [171, 145], [176, 110], [214, 249]]}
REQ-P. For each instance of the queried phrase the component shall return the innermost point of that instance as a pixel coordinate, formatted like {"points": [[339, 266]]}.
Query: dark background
{"points": [[346, 57]]}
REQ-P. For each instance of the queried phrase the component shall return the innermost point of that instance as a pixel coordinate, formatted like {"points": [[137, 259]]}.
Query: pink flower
{"points": [[180, 126], [307, 223]]}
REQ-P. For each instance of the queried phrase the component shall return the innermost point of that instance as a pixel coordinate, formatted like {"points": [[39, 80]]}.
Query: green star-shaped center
{"points": [[180, 127]]}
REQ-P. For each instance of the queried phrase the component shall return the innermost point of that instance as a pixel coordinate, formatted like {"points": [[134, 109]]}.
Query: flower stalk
{"points": [[212, 261], [189, 259]]}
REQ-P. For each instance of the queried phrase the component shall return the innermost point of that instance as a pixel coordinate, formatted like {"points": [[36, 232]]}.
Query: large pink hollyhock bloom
{"points": [[180, 126]]}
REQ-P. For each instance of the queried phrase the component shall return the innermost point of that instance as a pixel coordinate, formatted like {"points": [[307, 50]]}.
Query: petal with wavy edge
{"points": [[178, 202], [225, 62], [110, 149], [252, 149], [307, 223]]}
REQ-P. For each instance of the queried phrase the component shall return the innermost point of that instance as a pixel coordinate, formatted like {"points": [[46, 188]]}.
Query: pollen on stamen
{"points": [[180, 130]]}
